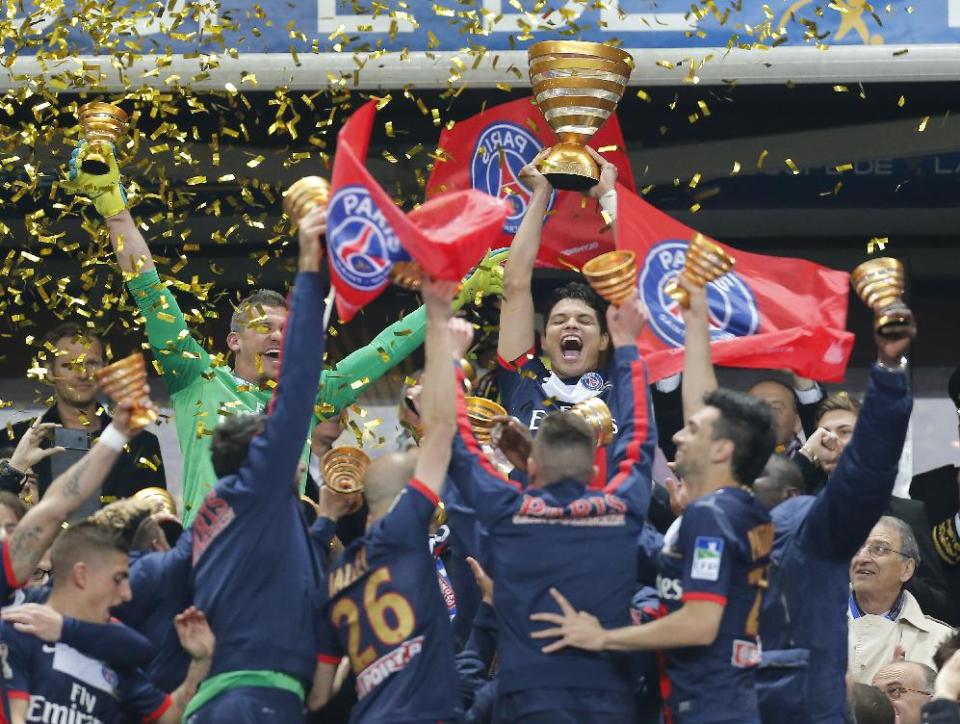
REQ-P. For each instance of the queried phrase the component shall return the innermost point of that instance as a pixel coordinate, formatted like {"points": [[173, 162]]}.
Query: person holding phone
{"points": [[72, 354]]}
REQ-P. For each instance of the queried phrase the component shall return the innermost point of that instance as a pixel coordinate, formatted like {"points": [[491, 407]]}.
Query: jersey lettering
{"points": [[669, 589], [212, 519]]}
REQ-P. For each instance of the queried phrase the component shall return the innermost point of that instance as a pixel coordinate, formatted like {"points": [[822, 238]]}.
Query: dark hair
{"points": [[231, 442], [564, 448], [748, 423], [583, 292], [9, 500], [947, 648], [81, 541], [869, 705], [261, 298], [837, 401], [784, 474]]}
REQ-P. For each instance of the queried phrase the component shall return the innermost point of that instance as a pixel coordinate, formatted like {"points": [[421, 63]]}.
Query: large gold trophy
{"points": [[577, 86], [879, 283], [705, 262], [101, 124], [126, 379]]}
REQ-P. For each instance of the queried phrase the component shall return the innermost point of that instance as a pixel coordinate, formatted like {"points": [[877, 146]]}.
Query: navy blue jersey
{"points": [[524, 396], [580, 541], [385, 611], [255, 570], [60, 684], [160, 583], [721, 554]]}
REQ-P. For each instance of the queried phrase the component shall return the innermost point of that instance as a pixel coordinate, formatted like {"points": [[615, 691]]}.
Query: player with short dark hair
{"points": [[559, 533], [58, 683], [574, 335], [385, 610], [713, 572]]}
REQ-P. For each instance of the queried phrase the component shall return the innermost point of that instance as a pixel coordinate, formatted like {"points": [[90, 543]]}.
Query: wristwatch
{"points": [[900, 367]]}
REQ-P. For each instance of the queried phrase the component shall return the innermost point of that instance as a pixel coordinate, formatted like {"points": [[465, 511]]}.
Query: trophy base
{"points": [[570, 167]]}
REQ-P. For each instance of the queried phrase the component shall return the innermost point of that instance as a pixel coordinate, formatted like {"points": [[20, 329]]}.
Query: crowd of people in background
{"points": [[543, 574]]}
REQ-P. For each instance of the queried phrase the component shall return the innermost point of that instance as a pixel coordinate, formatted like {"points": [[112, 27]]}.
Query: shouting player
{"points": [[557, 532], [574, 336], [385, 609], [711, 576]]}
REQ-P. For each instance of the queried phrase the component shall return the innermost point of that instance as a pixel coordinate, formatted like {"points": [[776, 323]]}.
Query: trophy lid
{"points": [[160, 498]]}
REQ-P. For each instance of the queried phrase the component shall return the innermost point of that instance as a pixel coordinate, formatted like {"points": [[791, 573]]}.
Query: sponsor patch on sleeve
{"points": [[707, 553]]}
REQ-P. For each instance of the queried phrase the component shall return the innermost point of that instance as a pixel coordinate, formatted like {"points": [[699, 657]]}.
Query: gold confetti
{"points": [[792, 166], [736, 168], [877, 243], [763, 157], [923, 124], [844, 167]]}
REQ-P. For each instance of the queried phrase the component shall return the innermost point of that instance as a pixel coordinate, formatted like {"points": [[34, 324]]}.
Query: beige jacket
{"points": [[872, 639]]}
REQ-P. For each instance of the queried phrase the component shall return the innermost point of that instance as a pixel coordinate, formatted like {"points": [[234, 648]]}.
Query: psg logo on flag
{"points": [[362, 243], [732, 308], [501, 151]]}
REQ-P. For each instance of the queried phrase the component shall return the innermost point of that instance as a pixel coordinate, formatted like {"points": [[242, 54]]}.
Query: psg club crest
{"points": [[362, 243], [110, 676], [501, 151], [592, 381], [732, 307]]}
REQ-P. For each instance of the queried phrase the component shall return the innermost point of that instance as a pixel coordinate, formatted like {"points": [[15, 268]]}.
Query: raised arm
{"points": [[275, 454], [40, 525], [859, 489], [516, 310], [110, 200], [438, 401], [183, 360], [632, 460], [699, 377]]}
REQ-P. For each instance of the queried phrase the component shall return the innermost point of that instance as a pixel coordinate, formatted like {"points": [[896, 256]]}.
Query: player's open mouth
{"points": [[273, 354], [570, 346]]}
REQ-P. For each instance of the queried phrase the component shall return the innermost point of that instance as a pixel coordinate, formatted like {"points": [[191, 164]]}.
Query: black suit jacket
{"points": [[128, 474]]}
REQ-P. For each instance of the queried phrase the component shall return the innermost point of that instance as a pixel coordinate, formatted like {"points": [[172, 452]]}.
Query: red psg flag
{"points": [[367, 233], [487, 151], [770, 312]]}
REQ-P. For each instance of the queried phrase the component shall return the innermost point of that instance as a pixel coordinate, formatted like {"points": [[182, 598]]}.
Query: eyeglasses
{"points": [[894, 692], [40, 575], [879, 550]]}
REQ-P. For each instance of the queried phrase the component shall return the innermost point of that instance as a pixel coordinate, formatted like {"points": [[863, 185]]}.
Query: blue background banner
{"points": [[326, 26]]}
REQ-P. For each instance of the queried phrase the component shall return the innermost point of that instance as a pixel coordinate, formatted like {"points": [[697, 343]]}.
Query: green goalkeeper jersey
{"points": [[204, 391]]}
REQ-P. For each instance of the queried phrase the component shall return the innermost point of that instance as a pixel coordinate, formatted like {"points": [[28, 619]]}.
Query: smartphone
{"points": [[71, 439], [76, 444]]}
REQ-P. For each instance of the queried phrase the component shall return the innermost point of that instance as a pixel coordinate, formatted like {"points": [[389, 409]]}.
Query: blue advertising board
{"points": [[334, 26]]}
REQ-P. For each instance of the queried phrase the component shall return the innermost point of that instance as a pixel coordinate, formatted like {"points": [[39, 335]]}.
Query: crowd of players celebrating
{"points": [[559, 588]]}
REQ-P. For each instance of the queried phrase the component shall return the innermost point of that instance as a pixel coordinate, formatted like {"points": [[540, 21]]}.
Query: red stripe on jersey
{"points": [[466, 434], [328, 659], [641, 427], [666, 686], [8, 567], [703, 596], [516, 364], [13, 694], [425, 492], [159, 711]]}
